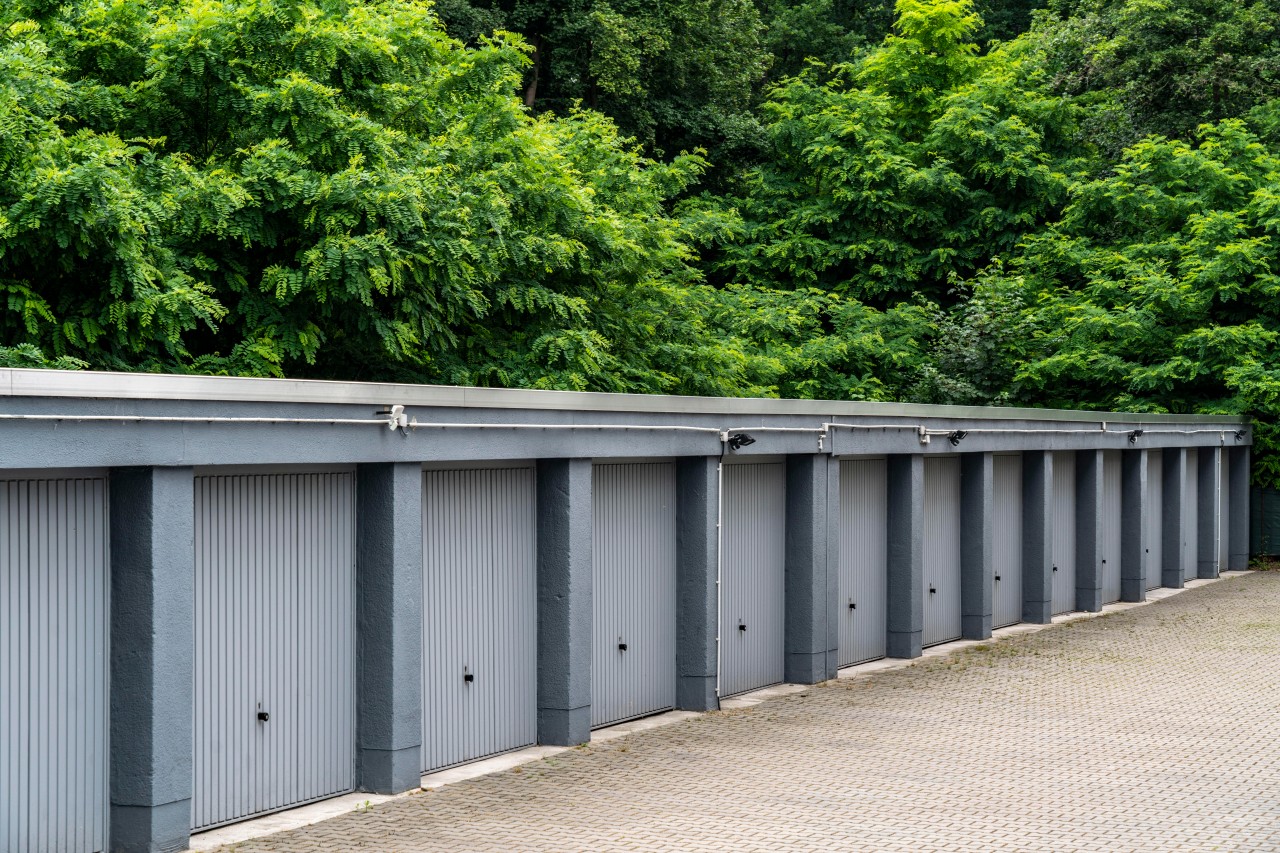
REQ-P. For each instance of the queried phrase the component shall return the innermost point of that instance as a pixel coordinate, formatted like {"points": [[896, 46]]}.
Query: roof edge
{"points": [[87, 384]]}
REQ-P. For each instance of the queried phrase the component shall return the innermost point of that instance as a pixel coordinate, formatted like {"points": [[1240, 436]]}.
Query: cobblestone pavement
{"points": [[1155, 728]]}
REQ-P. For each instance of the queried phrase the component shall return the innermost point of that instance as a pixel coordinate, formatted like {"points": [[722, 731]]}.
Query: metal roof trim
{"points": [[27, 382]]}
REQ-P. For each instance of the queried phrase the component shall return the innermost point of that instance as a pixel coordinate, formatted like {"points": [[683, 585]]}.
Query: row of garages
{"points": [[275, 628]]}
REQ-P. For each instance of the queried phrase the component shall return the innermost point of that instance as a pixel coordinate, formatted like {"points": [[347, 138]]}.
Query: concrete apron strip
{"points": [[285, 820], [944, 649], [316, 812]]}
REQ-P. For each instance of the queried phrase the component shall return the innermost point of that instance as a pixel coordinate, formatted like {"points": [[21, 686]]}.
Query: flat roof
{"points": [[89, 384]]}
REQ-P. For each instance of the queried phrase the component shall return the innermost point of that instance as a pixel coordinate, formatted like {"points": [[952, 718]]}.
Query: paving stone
{"points": [[1150, 729]]}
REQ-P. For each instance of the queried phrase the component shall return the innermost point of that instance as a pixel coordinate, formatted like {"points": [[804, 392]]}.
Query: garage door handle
{"points": [[932, 590], [468, 677], [1055, 568], [997, 577], [263, 716], [742, 626], [622, 647], [853, 606]]}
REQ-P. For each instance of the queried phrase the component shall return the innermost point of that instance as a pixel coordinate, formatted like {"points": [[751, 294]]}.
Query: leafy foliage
{"points": [[268, 188], [1157, 288], [676, 76], [801, 198], [903, 171], [1163, 67]]}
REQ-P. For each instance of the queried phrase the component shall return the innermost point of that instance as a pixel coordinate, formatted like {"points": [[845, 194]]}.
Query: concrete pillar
{"points": [[389, 626], [152, 657], [1037, 536], [1208, 519], [1238, 515], [697, 564], [813, 505], [1173, 487], [564, 601], [1134, 548], [977, 570], [1089, 526], [905, 623]]}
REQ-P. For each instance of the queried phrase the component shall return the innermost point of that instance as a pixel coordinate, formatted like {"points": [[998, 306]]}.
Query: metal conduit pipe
{"points": [[395, 418], [719, 570], [184, 419]]}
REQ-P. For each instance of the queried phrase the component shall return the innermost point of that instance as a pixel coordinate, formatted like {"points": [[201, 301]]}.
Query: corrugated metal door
{"points": [[480, 620], [864, 575], [1155, 516], [1190, 523], [1006, 541], [1111, 483], [1064, 531], [633, 594], [54, 636], [941, 550], [274, 642], [752, 580]]}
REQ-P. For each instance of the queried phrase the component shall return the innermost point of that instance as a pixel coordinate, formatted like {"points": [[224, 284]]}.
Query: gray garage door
{"points": [[863, 560], [941, 550], [54, 635], [1064, 531], [1006, 541], [1190, 525], [480, 617], [752, 583], [274, 642], [1154, 517], [633, 593], [1111, 480]]}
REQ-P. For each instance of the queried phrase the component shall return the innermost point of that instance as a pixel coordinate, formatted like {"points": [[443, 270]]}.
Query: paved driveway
{"points": [[1155, 728]]}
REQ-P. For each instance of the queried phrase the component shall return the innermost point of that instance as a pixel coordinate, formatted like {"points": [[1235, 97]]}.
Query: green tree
{"points": [[905, 170], [1157, 289], [676, 76], [1162, 67], [338, 189]]}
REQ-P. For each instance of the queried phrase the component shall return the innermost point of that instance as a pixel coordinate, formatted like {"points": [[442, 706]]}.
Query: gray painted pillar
{"points": [[1037, 536], [1134, 548], [564, 601], [1238, 515], [1173, 487], [813, 492], [1089, 526], [389, 609], [1208, 520], [905, 622], [697, 564], [152, 657], [977, 570]]}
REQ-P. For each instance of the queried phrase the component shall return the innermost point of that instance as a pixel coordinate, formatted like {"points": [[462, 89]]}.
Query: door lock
{"points": [[263, 716], [742, 626], [997, 577], [467, 675], [932, 590], [1055, 568], [622, 647], [852, 604]]}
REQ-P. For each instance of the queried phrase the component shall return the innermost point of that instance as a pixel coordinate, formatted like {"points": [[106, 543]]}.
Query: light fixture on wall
{"points": [[739, 440], [1134, 435], [956, 436]]}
